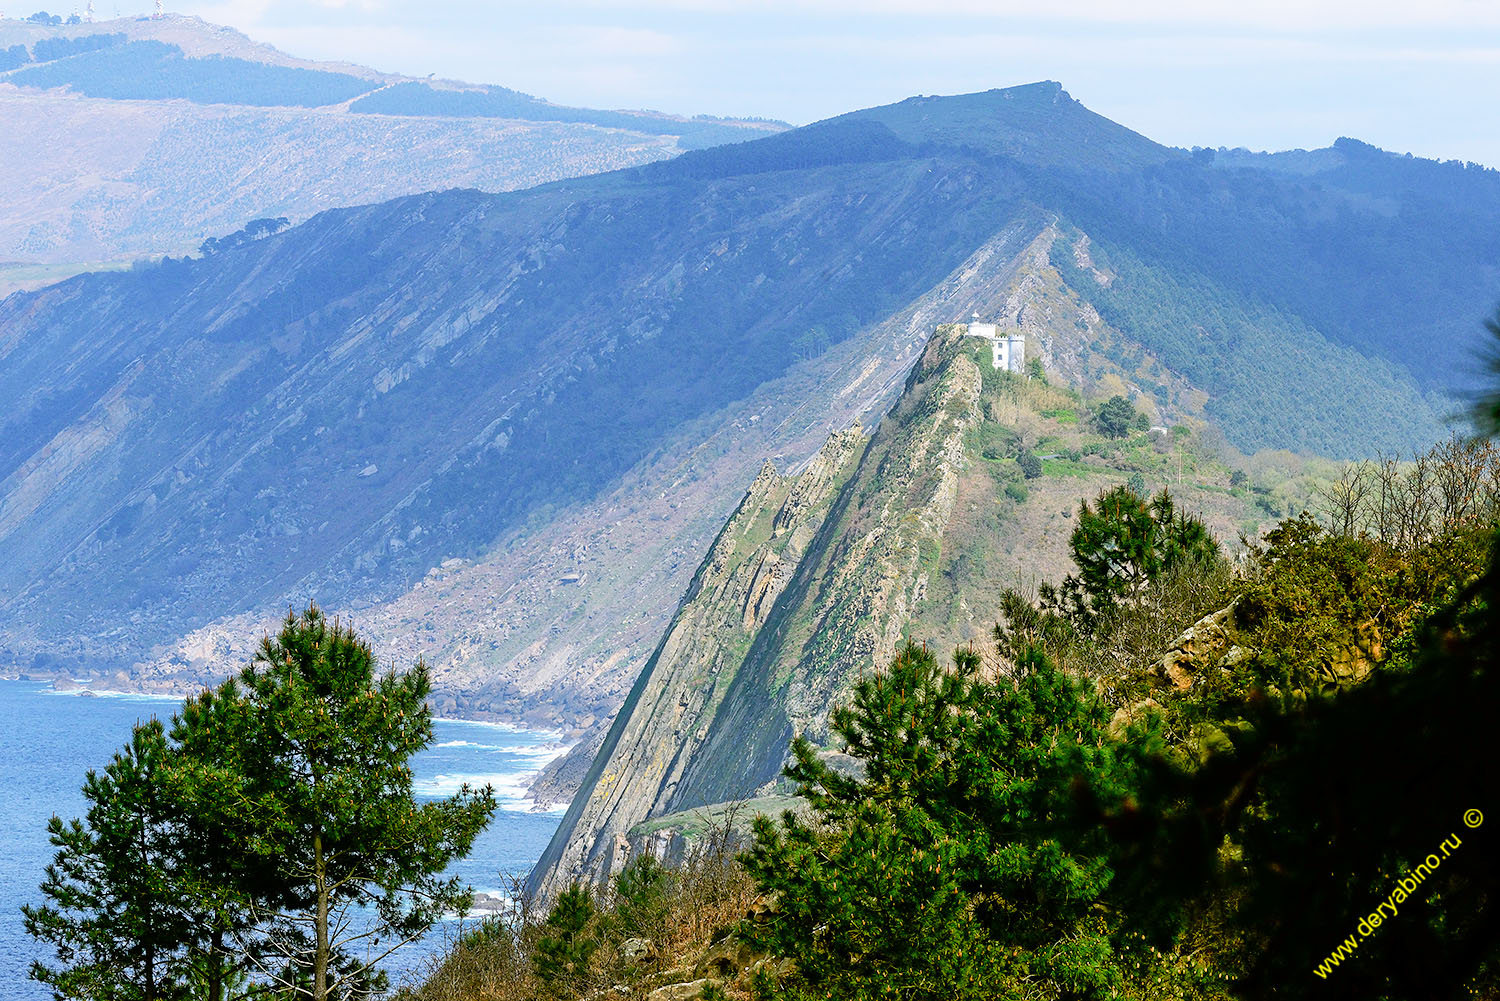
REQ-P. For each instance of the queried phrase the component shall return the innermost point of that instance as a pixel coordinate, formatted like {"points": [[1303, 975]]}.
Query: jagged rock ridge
{"points": [[663, 722], [845, 572]]}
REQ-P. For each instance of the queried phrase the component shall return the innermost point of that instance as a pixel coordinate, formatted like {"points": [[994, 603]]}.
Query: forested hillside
{"points": [[1361, 247]]}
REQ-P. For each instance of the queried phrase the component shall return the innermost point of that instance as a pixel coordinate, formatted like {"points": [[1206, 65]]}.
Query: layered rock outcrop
{"points": [[813, 580], [664, 720]]}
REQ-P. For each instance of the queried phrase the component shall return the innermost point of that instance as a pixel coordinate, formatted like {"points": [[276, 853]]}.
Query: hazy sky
{"points": [[1421, 77]]}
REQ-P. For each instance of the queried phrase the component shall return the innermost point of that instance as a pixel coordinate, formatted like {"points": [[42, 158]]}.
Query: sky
{"points": [[1420, 77]]}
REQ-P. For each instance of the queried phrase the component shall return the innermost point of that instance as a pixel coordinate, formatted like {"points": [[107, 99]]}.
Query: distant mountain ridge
{"points": [[98, 60], [162, 133], [504, 428], [1038, 124]]}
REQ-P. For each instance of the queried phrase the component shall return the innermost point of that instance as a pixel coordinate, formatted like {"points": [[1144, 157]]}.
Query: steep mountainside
{"points": [[339, 408], [554, 620], [137, 137], [662, 725], [817, 579], [503, 428]]}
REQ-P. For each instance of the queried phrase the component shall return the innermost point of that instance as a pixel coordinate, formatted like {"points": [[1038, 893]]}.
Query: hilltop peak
{"points": [[1038, 123]]}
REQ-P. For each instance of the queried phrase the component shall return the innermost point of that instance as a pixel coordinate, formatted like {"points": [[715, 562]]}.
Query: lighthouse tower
{"points": [[1007, 350]]}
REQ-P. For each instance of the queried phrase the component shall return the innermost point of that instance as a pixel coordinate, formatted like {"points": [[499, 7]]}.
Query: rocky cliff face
{"points": [[813, 580], [665, 719]]}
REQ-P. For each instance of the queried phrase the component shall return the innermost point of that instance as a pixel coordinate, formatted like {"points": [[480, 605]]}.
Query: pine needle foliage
{"points": [[312, 748], [1121, 544], [568, 942], [952, 867], [269, 841], [114, 914]]}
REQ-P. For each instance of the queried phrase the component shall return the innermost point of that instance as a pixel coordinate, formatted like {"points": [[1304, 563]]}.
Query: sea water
{"points": [[48, 740]]}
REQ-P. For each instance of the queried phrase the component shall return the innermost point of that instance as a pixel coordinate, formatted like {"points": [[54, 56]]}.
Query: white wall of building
{"points": [[1008, 352]]}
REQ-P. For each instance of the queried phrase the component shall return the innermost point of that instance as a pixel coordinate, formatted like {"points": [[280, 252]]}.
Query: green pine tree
{"points": [[116, 913], [1115, 417], [950, 868], [311, 750], [566, 946], [1120, 544]]}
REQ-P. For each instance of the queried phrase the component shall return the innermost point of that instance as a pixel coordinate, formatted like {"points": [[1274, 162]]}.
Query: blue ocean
{"points": [[48, 740]]}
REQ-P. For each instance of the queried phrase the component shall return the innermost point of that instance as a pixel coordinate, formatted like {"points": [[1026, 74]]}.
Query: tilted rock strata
{"points": [[812, 580], [664, 718]]}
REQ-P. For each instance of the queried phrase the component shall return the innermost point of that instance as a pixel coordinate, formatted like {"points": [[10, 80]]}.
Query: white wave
{"points": [[544, 752], [109, 693], [508, 727], [543, 734], [512, 789], [509, 786], [533, 756]]}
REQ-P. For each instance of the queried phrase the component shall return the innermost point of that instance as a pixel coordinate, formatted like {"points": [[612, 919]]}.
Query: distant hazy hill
{"points": [[505, 428], [134, 137]]}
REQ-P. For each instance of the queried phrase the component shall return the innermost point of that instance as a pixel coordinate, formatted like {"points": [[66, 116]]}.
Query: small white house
{"points": [[1008, 350]]}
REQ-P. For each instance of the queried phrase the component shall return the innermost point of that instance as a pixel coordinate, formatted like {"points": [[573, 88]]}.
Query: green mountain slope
{"points": [[1256, 362], [1392, 256]]}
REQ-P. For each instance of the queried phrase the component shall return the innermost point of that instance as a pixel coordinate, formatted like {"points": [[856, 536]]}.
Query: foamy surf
{"points": [[512, 785], [511, 788], [545, 734], [109, 693]]}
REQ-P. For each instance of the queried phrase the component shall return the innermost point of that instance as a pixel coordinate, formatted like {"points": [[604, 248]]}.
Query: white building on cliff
{"points": [[1007, 350]]}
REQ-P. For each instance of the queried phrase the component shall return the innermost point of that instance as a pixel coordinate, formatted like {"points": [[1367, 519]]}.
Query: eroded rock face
{"points": [[666, 715], [1209, 643], [810, 583], [638, 950], [847, 607], [1219, 642], [682, 992]]}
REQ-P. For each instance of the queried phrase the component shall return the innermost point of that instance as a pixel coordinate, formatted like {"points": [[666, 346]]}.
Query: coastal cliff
{"points": [[813, 579]]}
